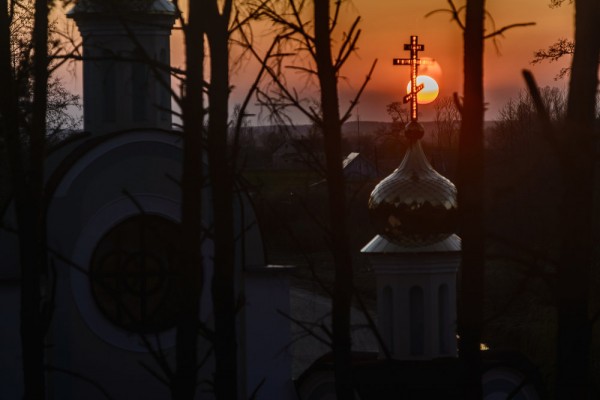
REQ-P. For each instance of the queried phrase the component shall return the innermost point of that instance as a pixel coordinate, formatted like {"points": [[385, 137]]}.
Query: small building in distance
{"points": [[357, 168]]}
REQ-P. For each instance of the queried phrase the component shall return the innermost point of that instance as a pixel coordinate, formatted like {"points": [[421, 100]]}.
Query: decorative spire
{"points": [[415, 205]]}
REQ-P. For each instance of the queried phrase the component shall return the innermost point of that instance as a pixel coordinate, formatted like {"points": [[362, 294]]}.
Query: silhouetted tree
{"points": [[222, 180], [312, 33], [578, 209], [331, 125], [447, 122], [26, 162], [517, 126], [61, 103], [575, 144], [212, 23], [470, 190], [470, 200], [193, 177]]}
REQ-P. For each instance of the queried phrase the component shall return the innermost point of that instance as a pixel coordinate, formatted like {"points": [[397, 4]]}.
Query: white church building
{"points": [[112, 212]]}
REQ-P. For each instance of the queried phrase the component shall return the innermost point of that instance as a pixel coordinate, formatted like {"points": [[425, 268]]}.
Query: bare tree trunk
{"points": [[342, 294], [191, 273], [470, 200], [577, 209], [27, 173], [26, 177], [221, 172], [31, 219]]}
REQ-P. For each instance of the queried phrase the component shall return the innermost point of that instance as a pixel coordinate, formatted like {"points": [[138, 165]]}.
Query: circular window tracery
{"points": [[133, 274]]}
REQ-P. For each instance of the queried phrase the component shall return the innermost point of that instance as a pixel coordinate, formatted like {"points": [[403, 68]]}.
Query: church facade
{"points": [[113, 210]]}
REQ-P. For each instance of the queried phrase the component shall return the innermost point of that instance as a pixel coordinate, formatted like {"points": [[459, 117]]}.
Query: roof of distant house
{"points": [[349, 159]]}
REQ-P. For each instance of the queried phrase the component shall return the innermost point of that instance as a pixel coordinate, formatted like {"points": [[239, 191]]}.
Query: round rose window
{"points": [[132, 274]]}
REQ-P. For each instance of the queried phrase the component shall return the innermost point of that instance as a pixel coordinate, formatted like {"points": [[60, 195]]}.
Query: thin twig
{"points": [[507, 27], [455, 12], [354, 101], [305, 327]]}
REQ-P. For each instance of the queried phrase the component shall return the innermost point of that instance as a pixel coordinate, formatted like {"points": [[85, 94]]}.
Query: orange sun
{"points": [[430, 91]]}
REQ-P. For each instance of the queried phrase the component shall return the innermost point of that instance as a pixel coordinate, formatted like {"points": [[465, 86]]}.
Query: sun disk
{"points": [[430, 90]]}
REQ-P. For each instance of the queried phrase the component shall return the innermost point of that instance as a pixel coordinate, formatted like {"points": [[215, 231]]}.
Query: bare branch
{"points": [[507, 27], [354, 102], [305, 326], [455, 12], [348, 45], [297, 27], [63, 58], [150, 61], [292, 99], [242, 112], [309, 71], [255, 13], [310, 40], [562, 47], [336, 14]]}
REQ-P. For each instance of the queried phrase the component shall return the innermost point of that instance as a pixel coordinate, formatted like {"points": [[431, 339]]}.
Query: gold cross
{"points": [[414, 63]]}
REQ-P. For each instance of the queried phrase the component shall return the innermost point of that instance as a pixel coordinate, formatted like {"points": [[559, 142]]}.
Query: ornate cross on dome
{"points": [[414, 63]]}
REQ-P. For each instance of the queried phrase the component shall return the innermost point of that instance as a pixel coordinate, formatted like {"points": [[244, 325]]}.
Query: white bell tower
{"points": [[126, 54], [416, 297]]}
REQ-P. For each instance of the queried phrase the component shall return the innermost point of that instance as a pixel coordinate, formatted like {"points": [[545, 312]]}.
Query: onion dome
{"points": [[415, 205]]}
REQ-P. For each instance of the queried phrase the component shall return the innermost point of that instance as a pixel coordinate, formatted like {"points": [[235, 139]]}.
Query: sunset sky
{"points": [[387, 25]]}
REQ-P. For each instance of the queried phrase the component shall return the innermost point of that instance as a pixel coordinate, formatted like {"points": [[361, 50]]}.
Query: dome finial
{"points": [[414, 131]]}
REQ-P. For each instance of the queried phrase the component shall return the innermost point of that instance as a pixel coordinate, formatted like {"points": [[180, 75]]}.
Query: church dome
{"points": [[415, 205]]}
